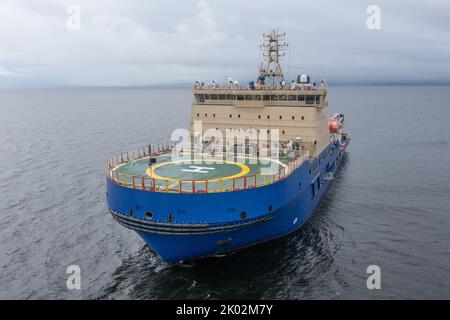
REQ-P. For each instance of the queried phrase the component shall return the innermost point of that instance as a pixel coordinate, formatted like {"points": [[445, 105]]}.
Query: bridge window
{"points": [[231, 97], [280, 97], [199, 97], [318, 99], [240, 97], [222, 97], [266, 97], [301, 98], [310, 99], [243, 215], [170, 218]]}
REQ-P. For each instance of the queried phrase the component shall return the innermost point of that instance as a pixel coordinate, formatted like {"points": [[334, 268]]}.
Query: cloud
{"points": [[142, 42], [13, 73]]}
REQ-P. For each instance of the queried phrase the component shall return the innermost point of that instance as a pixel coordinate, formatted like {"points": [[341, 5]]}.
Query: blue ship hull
{"points": [[212, 223]]}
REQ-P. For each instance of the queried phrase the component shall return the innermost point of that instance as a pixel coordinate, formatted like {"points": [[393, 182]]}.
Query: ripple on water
{"points": [[387, 206]]}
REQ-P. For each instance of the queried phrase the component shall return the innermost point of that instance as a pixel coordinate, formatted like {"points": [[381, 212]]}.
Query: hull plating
{"points": [[209, 224]]}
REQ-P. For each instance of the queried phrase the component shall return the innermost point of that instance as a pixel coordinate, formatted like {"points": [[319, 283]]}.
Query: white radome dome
{"points": [[304, 78]]}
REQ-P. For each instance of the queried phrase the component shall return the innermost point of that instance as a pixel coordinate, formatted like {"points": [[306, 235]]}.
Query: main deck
{"points": [[201, 173]]}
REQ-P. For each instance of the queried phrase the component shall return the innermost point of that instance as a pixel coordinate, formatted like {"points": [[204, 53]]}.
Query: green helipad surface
{"points": [[205, 168], [221, 173]]}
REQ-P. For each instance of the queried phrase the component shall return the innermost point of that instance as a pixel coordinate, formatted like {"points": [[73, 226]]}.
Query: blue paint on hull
{"points": [[289, 202]]}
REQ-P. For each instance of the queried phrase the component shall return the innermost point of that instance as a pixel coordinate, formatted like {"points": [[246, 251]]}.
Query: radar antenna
{"points": [[273, 49]]}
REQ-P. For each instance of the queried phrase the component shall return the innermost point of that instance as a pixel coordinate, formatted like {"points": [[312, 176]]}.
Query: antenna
{"points": [[273, 50]]}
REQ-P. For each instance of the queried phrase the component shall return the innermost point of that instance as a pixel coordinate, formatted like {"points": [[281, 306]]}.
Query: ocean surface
{"points": [[389, 205]]}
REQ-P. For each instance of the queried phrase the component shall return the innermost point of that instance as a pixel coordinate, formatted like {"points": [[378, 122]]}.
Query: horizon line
{"points": [[187, 85]]}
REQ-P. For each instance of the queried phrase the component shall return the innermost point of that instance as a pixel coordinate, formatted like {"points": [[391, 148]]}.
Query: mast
{"points": [[273, 49]]}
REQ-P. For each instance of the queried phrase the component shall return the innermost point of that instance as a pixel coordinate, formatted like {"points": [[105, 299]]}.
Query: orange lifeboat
{"points": [[333, 125]]}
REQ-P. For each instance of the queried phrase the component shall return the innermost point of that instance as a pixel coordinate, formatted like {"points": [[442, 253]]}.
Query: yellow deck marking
{"points": [[244, 170]]}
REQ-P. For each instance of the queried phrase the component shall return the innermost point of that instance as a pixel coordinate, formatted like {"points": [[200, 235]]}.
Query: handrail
{"points": [[240, 87], [151, 184]]}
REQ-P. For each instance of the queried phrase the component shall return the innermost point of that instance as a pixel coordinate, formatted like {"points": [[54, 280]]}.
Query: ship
{"points": [[253, 165]]}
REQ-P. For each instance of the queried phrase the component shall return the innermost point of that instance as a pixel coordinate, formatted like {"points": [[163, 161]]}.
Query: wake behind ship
{"points": [[253, 166]]}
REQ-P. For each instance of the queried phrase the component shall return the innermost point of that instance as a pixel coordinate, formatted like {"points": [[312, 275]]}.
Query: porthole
{"points": [[198, 114], [283, 132], [170, 218], [268, 117], [148, 215], [303, 118], [281, 117], [270, 208], [259, 117], [130, 212], [214, 115], [293, 118], [231, 115], [239, 115], [206, 114]]}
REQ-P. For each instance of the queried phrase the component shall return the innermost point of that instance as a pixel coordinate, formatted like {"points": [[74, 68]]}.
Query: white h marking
{"points": [[198, 169]]}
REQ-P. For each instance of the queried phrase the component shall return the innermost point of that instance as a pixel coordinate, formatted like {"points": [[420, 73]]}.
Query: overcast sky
{"points": [[160, 42]]}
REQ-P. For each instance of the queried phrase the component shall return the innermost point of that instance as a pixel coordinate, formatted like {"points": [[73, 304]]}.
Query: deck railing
{"points": [[269, 87], [150, 184]]}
